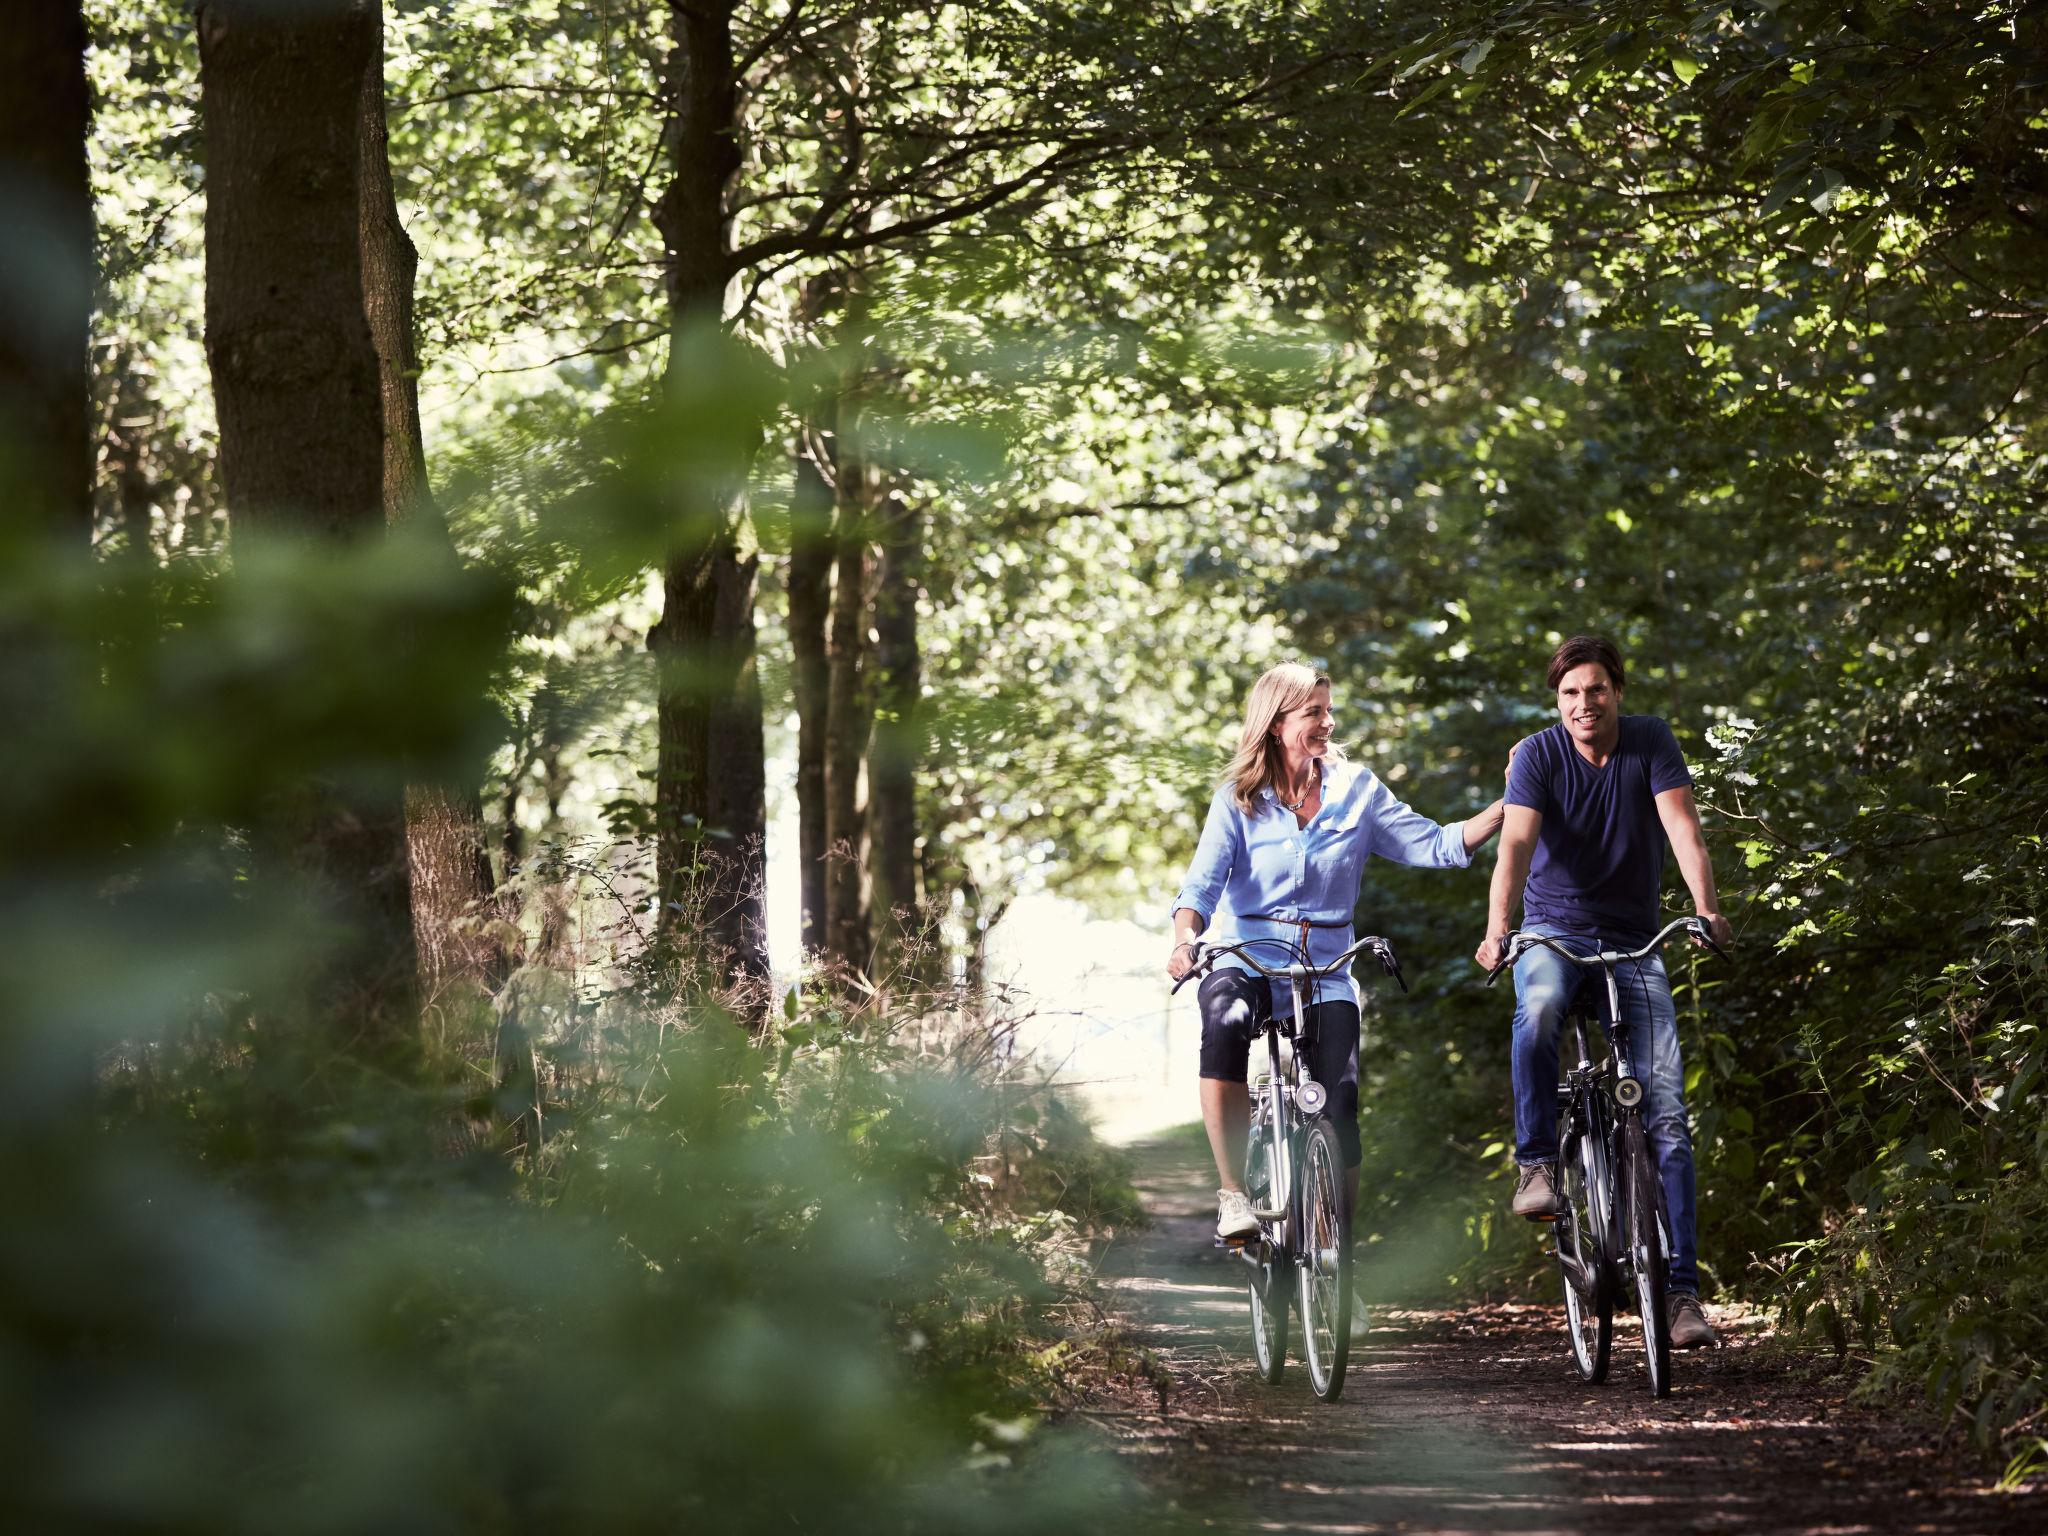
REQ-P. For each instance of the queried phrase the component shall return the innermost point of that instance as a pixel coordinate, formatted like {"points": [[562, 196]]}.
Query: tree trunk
{"points": [[446, 851], [848, 715], [301, 433], [46, 265], [739, 767], [709, 791], [810, 604], [898, 747]]}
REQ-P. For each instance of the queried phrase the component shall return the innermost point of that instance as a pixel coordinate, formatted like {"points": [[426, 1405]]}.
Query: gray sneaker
{"points": [[1688, 1320], [1536, 1192]]}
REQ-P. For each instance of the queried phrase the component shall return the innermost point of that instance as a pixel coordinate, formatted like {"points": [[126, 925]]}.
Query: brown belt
{"points": [[1303, 923]]}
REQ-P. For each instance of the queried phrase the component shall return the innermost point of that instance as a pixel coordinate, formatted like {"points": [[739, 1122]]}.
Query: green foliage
{"points": [[726, 1299]]}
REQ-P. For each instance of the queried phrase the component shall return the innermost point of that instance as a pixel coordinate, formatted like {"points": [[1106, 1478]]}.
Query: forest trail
{"points": [[1470, 1419]]}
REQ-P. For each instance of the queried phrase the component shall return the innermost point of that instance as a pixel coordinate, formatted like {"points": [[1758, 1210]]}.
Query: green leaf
{"points": [[1476, 55], [1831, 182]]}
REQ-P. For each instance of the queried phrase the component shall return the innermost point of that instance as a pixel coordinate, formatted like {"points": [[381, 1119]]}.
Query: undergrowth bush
{"points": [[803, 1282]]}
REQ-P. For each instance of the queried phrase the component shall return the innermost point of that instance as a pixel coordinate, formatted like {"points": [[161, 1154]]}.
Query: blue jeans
{"points": [[1544, 986]]}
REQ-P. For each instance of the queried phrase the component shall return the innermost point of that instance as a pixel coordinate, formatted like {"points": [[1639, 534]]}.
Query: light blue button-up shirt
{"points": [[1265, 865]]}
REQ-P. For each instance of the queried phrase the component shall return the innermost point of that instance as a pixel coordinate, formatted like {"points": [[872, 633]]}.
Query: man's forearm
{"points": [[1510, 873], [1696, 867]]}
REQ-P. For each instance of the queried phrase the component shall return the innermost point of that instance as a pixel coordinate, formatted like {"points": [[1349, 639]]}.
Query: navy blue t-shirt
{"points": [[1600, 853]]}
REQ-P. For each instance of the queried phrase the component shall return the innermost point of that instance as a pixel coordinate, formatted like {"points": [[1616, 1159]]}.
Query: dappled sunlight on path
{"points": [[1471, 1419]]}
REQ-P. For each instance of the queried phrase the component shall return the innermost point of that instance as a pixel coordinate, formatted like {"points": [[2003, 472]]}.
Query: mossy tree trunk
{"points": [[446, 850], [46, 263], [898, 743], [710, 821], [302, 439]]}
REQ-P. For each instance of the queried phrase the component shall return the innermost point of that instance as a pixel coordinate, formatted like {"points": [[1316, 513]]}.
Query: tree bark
{"points": [[848, 716], [46, 266], [709, 790], [302, 435], [446, 850], [897, 747], [810, 604]]}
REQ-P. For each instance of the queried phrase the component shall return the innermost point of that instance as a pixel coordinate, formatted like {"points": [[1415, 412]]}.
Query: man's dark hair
{"points": [[1579, 650]]}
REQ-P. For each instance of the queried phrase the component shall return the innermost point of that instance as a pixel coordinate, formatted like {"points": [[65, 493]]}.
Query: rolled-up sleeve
{"points": [[1408, 837], [1216, 855]]}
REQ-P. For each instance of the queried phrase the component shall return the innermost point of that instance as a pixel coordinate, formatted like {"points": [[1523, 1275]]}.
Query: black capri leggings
{"points": [[1233, 1003]]}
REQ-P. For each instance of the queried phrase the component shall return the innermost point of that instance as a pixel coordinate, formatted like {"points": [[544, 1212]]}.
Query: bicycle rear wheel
{"points": [[1267, 1283], [1269, 1319], [1325, 1261], [1647, 1259], [1583, 1260]]}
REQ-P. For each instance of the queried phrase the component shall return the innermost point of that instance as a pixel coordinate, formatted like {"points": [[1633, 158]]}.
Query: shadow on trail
{"points": [[1471, 1419]]}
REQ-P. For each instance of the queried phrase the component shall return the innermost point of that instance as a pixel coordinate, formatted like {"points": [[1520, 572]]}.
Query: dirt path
{"points": [[1471, 1419]]}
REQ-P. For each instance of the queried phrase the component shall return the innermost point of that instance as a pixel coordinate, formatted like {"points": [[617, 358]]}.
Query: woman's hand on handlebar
{"points": [[1186, 955]]}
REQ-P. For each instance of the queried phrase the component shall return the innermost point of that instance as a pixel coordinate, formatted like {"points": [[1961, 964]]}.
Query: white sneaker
{"points": [[1234, 1216]]}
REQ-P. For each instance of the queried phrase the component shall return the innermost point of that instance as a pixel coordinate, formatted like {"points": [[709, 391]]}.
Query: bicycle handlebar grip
{"points": [[1507, 956], [1391, 964], [1192, 971]]}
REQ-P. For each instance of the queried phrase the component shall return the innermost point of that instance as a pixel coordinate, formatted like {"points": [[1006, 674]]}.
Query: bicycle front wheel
{"points": [[1647, 1260], [1583, 1261], [1325, 1261]]}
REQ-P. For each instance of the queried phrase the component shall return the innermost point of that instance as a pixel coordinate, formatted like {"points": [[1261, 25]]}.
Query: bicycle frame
{"points": [[1284, 1088]]}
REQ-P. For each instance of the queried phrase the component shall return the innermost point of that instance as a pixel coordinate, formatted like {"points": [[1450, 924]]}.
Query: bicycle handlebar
{"points": [[1206, 956], [1516, 943]]}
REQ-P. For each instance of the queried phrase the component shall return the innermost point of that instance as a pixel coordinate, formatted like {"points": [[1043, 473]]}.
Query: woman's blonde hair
{"points": [[1257, 761]]}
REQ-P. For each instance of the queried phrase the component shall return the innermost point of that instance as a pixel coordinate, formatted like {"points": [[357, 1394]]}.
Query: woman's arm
{"points": [[1217, 855], [1187, 923], [1481, 827], [1408, 837]]}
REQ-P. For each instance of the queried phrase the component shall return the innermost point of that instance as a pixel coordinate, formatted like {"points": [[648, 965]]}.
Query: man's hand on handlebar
{"points": [[1491, 950], [1719, 930]]}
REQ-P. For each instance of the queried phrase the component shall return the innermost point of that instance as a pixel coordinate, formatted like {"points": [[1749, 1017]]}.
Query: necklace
{"points": [[1301, 799]]}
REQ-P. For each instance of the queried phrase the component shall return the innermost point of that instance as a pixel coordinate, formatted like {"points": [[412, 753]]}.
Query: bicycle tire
{"points": [[1647, 1259], [1325, 1261], [1584, 1264]]}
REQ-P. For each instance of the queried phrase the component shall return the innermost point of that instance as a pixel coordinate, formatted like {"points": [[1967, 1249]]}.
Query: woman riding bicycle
{"points": [[1282, 852]]}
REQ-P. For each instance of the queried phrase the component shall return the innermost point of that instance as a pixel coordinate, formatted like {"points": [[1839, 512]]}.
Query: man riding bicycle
{"points": [[1589, 806]]}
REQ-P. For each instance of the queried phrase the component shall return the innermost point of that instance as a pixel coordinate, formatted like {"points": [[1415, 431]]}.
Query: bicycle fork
{"points": [[1629, 1095]]}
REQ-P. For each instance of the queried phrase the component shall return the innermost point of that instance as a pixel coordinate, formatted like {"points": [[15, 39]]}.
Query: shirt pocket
{"points": [[1273, 849]]}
